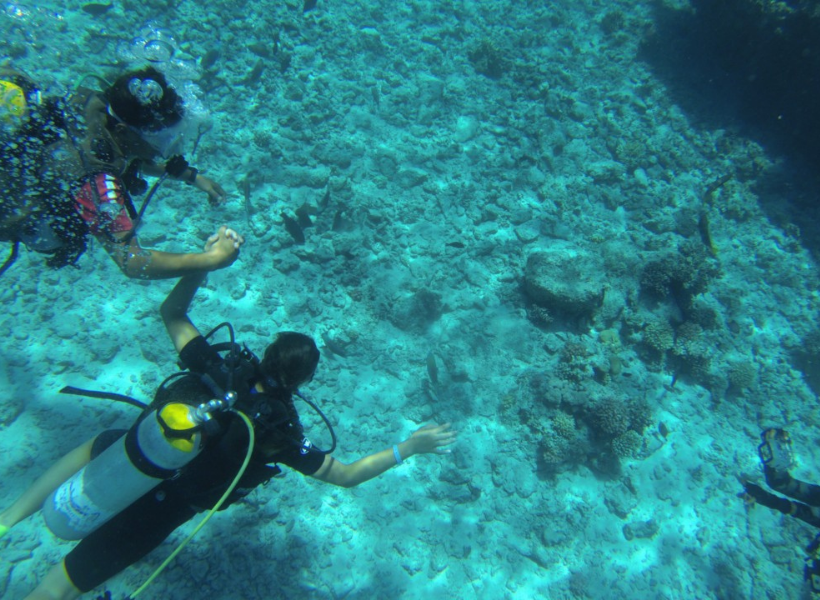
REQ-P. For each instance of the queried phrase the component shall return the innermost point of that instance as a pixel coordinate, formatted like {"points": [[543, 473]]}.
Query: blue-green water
{"points": [[520, 189]]}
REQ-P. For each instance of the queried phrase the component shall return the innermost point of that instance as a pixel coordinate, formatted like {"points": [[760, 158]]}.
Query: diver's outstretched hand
{"points": [[431, 439], [215, 192], [223, 247]]}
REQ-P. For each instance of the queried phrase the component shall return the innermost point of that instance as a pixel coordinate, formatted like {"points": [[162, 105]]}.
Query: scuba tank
{"points": [[153, 450]]}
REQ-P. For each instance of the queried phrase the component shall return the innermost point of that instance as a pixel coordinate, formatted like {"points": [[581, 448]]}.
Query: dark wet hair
{"points": [[290, 360], [164, 112]]}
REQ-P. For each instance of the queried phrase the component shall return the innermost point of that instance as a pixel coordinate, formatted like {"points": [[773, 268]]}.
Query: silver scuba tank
{"points": [[152, 451]]}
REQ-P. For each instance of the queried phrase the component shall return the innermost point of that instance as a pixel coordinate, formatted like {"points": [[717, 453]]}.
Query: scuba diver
{"points": [[185, 452], [803, 501], [70, 166]]}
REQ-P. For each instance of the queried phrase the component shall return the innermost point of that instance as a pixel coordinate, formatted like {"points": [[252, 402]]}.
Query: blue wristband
{"points": [[397, 455]]}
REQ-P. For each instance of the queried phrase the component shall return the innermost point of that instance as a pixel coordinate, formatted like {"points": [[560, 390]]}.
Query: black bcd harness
{"points": [[231, 379]]}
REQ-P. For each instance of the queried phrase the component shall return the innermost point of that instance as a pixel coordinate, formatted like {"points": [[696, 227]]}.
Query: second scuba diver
{"points": [[70, 166], [185, 452]]}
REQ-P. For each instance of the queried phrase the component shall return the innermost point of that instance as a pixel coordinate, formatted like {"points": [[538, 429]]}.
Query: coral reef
{"points": [[487, 59], [659, 336], [610, 417], [564, 425], [692, 353], [742, 375], [627, 444], [683, 275]]}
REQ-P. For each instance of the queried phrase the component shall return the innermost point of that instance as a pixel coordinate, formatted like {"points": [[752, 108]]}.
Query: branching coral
{"points": [[742, 375], [564, 425], [553, 450], [640, 415], [610, 417], [683, 275], [659, 336], [627, 445], [692, 352]]}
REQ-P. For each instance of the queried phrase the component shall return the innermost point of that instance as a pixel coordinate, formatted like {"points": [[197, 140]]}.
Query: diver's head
{"points": [[144, 100], [290, 361]]}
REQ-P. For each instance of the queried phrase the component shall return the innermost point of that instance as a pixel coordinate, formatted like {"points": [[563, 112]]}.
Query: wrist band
{"points": [[397, 455], [191, 179]]}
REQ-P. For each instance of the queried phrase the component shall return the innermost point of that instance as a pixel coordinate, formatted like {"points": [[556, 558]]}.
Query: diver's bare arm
{"points": [[141, 263], [174, 311], [32, 499], [430, 439], [348, 476]]}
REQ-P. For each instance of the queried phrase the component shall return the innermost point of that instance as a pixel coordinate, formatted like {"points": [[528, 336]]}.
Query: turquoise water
{"points": [[521, 190]]}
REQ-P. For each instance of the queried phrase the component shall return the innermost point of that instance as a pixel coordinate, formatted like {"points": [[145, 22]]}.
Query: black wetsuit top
{"points": [[143, 526]]}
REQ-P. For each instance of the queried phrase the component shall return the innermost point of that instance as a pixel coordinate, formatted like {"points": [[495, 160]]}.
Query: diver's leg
{"points": [[32, 499], [55, 586], [798, 510], [784, 483]]}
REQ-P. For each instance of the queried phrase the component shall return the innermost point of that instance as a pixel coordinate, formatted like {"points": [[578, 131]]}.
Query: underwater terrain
{"points": [[586, 233]]}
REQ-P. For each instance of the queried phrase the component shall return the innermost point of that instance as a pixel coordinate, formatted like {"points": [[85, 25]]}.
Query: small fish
{"points": [[663, 429], [256, 73], [708, 196], [432, 368], [706, 233], [303, 215], [458, 245], [335, 347], [284, 61], [325, 199], [260, 49], [294, 229], [245, 185], [210, 58], [339, 223], [309, 5], [96, 10]]}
